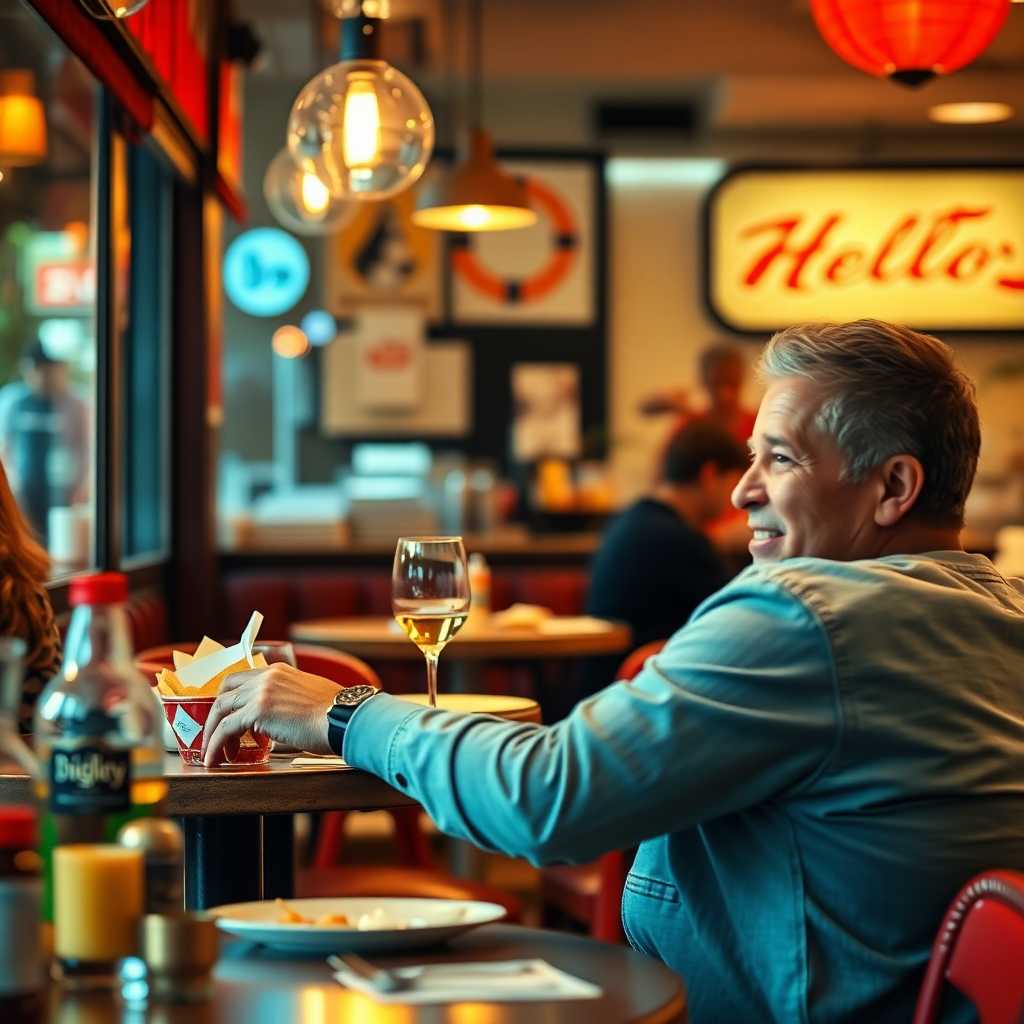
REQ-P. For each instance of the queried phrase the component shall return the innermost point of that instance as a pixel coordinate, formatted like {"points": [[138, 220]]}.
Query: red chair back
{"points": [[634, 661], [343, 669], [613, 867], [980, 950]]}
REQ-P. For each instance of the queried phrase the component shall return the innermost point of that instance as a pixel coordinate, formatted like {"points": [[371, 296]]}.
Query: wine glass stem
{"points": [[431, 657]]}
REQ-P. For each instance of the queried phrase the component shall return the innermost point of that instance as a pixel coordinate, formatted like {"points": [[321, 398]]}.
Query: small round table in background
{"points": [[378, 638], [561, 636], [515, 709]]}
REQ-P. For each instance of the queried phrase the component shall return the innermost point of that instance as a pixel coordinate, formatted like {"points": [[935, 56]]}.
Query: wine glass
{"points": [[430, 595], [276, 652]]}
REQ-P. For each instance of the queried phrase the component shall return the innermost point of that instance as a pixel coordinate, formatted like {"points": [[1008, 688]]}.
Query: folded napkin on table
{"points": [[497, 981], [327, 760]]}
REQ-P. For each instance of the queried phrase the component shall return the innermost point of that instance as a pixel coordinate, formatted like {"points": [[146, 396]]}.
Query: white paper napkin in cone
{"points": [[199, 672], [499, 981]]}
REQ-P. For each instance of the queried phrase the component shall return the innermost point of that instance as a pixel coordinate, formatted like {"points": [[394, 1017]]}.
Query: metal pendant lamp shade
{"points": [[22, 120], [909, 41], [477, 196]]}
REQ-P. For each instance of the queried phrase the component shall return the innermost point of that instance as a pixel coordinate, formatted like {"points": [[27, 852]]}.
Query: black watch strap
{"points": [[341, 712]]}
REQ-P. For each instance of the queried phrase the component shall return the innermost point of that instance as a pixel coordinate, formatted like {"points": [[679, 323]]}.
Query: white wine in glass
{"points": [[430, 595]]}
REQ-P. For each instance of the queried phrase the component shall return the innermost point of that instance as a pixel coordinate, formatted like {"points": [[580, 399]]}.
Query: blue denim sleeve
{"points": [[740, 707]]}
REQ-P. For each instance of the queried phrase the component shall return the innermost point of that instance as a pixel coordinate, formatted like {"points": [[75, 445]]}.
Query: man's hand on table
{"points": [[281, 702]]}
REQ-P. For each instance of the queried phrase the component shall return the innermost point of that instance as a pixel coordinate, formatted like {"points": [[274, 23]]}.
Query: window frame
{"points": [[110, 181]]}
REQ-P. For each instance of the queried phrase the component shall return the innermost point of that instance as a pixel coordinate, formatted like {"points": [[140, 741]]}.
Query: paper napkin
{"points": [[499, 981]]}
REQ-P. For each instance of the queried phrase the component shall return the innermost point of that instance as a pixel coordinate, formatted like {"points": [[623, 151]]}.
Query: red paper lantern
{"points": [[910, 41]]}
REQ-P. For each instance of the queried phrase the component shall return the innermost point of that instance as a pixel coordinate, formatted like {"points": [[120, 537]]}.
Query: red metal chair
{"points": [[592, 893], [980, 951], [345, 670]]}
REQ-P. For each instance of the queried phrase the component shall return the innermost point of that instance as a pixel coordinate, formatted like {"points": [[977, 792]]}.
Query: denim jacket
{"points": [[812, 767]]}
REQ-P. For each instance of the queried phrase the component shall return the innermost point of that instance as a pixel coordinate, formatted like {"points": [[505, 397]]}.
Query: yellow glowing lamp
{"points": [[301, 200], [316, 196], [290, 342], [365, 127], [361, 123], [22, 121], [477, 196]]}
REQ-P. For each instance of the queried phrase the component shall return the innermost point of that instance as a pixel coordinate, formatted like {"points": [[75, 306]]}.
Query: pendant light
{"points": [[22, 121], [910, 41], [478, 195], [300, 199], [113, 10], [364, 125]]}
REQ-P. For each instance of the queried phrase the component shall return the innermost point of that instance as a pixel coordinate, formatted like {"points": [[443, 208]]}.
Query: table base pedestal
{"points": [[237, 858]]}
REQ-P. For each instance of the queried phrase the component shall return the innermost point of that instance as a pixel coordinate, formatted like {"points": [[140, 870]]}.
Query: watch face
{"points": [[351, 695]]}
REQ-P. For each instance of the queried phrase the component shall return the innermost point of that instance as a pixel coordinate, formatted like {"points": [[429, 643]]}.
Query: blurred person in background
{"points": [[655, 563], [44, 437], [722, 371], [25, 610]]}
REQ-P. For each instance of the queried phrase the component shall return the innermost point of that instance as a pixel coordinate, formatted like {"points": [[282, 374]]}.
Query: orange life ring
{"points": [[517, 291]]}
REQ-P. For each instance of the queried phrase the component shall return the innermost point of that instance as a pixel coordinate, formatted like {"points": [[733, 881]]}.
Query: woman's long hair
{"points": [[24, 566]]}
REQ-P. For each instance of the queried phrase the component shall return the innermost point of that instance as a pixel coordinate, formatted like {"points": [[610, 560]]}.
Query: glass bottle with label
{"points": [[97, 730], [479, 588]]}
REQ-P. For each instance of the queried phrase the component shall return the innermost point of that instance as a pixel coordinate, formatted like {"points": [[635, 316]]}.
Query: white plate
{"points": [[428, 922]]}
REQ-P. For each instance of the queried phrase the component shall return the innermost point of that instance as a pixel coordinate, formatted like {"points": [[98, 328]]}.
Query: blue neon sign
{"points": [[266, 271]]}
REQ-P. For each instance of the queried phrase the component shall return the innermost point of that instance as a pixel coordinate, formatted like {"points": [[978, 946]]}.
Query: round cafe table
{"points": [[239, 837], [561, 636], [381, 638], [238, 821], [262, 986]]}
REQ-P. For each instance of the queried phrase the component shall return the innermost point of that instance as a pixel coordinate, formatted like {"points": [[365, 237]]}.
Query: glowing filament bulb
{"points": [[315, 195], [475, 216], [361, 142]]}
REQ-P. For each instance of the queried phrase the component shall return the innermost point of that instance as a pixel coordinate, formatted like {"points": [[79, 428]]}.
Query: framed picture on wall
{"points": [[546, 414], [545, 274], [381, 257]]}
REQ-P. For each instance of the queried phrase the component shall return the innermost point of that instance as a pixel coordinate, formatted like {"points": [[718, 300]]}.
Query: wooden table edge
{"points": [[673, 1012], [524, 645], [264, 792]]}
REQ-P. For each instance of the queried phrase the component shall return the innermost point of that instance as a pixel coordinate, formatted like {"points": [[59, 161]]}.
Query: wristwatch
{"points": [[346, 700]]}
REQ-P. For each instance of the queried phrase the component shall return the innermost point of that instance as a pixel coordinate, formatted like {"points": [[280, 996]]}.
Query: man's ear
{"points": [[901, 477]]}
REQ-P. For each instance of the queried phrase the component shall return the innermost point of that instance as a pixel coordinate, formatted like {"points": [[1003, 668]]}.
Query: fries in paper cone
{"points": [[201, 674], [189, 690]]}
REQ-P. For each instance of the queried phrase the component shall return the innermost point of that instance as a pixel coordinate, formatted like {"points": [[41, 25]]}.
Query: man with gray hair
{"points": [[817, 761]]}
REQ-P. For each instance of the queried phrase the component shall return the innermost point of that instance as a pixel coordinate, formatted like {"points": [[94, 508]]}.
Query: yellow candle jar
{"points": [[98, 901]]}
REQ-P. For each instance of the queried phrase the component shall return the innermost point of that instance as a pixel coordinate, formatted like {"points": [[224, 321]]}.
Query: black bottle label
{"points": [[90, 779]]}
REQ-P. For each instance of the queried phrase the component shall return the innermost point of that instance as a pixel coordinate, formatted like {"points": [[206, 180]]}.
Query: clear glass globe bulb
{"points": [[365, 127], [300, 199]]}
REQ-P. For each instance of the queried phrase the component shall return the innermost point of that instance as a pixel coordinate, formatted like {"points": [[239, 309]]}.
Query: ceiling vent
{"points": [[641, 120]]}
